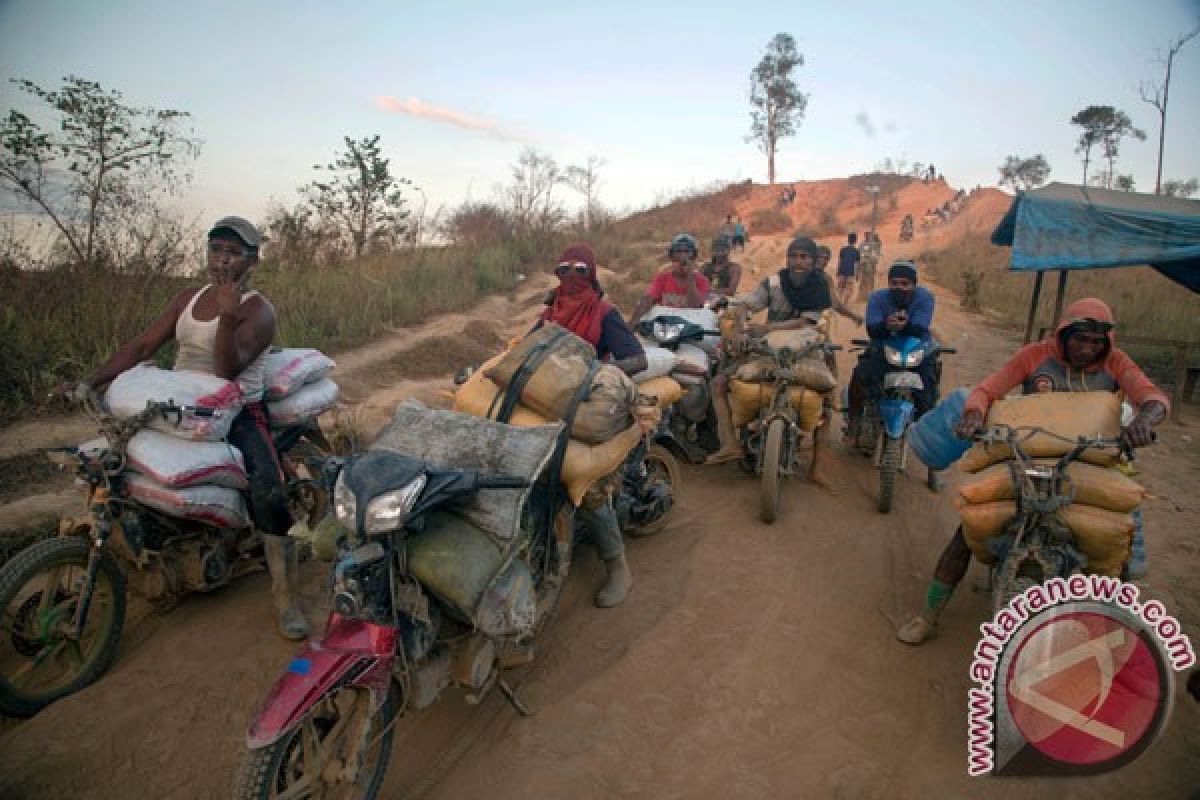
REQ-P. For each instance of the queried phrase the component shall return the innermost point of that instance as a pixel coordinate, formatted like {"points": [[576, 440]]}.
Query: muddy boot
{"points": [[922, 628], [617, 584], [283, 563], [731, 448]]}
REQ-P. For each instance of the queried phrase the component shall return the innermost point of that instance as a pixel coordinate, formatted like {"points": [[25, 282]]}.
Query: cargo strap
{"points": [[511, 396]]}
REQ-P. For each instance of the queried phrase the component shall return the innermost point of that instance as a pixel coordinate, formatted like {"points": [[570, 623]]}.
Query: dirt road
{"points": [[750, 661]]}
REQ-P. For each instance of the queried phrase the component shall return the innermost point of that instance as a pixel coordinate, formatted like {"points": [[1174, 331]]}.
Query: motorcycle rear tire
{"points": [[772, 469], [106, 619], [889, 465], [264, 768]]}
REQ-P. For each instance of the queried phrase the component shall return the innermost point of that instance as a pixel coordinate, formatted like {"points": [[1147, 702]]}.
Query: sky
{"points": [[658, 90]]}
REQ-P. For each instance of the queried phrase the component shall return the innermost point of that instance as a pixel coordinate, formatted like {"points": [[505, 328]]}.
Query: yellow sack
{"points": [[745, 399], [665, 390], [583, 464], [1094, 486], [981, 522], [1067, 414], [554, 384], [1105, 537]]}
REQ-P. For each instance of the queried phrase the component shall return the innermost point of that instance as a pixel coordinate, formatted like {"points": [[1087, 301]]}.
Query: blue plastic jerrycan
{"points": [[931, 439]]}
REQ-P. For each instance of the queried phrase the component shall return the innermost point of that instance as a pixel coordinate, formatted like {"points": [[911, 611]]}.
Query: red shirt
{"points": [[668, 290]]}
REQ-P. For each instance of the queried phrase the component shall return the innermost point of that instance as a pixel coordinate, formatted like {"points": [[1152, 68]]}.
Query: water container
{"points": [[932, 438]]}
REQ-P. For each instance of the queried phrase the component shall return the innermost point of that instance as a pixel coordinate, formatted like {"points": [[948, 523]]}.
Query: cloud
{"points": [[863, 121], [418, 108]]}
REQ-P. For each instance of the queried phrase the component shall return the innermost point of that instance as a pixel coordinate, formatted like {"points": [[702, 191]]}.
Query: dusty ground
{"points": [[751, 661]]}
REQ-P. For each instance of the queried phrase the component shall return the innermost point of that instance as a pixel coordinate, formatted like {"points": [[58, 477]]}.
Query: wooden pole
{"points": [[1033, 306], [1058, 298], [1180, 383]]}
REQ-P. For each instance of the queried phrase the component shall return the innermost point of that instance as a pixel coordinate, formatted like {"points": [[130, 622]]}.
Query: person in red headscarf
{"points": [[578, 305]]}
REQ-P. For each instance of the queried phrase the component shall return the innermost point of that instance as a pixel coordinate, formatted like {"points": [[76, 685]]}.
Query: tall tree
{"points": [[531, 192], [1022, 174], [1103, 126], [361, 195], [1156, 94], [585, 180], [777, 104], [107, 162]]}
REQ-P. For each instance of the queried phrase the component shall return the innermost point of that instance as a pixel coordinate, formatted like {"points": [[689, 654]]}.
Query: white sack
{"points": [[288, 369], [215, 505], [309, 402], [128, 394], [659, 362], [175, 463]]}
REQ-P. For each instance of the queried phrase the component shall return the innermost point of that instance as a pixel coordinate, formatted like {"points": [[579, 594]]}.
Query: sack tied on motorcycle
{"points": [[286, 370], [469, 555], [215, 505], [1105, 537], [308, 403], [1094, 486], [1067, 414], [177, 463], [559, 362], [745, 400], [129, 393], [583, 464]]}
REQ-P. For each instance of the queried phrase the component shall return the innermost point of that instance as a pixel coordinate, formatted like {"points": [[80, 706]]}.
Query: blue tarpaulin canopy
{"points": [[1062, 227]]}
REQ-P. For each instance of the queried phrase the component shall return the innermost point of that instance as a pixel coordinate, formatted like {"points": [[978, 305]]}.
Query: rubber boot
{"points": [[731, 448], [818, 470], [283, 562], [923, 627], [617, 583]]}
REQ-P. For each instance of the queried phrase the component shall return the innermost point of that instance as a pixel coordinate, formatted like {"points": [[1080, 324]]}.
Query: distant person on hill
{"points": [[930, 174], [578, 305], [739, 234], [727, 228], [847, 269], [872, 252], [681, 285], [723, 274]]}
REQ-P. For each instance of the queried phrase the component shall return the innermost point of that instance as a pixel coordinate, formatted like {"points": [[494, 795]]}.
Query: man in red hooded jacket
{"points": [[1081, 357]]}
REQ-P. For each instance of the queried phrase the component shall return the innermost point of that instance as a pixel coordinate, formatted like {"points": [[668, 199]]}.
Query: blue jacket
{"points": [[920, 313]]}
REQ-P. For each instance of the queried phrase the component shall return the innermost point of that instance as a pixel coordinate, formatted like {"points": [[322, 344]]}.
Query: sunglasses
{"points": [[567, 266], [1089, 325]]}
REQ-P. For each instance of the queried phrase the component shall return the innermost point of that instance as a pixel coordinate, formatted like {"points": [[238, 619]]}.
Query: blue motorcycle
{"points": [[887, 416]]}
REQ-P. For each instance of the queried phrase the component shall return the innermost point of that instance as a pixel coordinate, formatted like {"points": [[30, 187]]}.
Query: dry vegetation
{"points": [[1145, 303]]}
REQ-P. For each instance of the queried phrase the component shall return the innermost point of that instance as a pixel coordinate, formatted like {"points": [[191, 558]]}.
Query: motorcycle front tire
{"points": [[772, 469]]}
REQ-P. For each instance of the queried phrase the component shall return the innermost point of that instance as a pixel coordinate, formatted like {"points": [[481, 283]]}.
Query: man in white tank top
{"points": [[224, 330]]}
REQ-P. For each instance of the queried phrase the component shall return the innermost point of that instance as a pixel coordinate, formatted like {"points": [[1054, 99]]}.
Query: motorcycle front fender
{"points": [[895, 413], [354, 652]]}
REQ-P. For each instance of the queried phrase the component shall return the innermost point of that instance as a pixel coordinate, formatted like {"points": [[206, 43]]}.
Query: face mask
{"points": [[900, 297]]}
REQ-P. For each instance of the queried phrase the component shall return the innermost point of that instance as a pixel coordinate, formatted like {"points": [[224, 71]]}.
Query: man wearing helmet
{"points": [[681, 285], [1079, 357]]}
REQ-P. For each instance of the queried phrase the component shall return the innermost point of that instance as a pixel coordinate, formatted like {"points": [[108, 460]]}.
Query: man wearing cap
{"points": [[1081, 356], [793, 298], [225, 330], [902, 309]]}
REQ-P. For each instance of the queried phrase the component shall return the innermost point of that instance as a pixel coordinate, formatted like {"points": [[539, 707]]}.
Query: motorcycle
{"points": [[421, 600], [1036, 545], [883, 429], [688, 426], [64, 597], [770, 442]]}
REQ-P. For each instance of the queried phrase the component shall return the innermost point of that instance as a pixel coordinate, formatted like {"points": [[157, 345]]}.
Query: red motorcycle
{"points": [[458, 540]]}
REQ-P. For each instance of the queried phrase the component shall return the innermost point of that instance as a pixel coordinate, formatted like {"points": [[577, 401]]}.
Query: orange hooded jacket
{"points": [[1042, 366]]}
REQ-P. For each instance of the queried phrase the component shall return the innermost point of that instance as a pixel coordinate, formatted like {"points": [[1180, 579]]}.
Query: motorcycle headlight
{"points": [[893, 356], [666, 332], [345, 506], [387, 511], [915, 357]]}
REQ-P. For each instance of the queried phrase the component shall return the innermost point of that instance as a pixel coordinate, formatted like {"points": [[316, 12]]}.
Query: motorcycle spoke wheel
{"points": [[40, 658], [771, 486], [335, 752]]}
